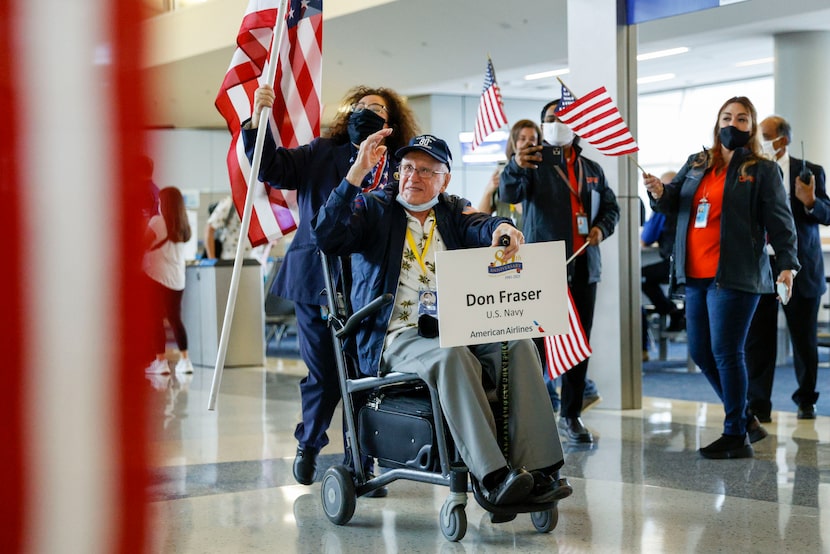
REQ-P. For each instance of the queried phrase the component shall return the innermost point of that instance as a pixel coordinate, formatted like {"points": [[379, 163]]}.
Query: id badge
{"points": [[428, 302], [582, 224], [702, 215]]}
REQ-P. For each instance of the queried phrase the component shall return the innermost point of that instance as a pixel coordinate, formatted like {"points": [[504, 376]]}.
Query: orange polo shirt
{"points": [[703, 243]]}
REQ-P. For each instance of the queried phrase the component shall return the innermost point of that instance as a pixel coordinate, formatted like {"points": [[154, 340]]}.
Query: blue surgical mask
{"points": [[416, 207]]}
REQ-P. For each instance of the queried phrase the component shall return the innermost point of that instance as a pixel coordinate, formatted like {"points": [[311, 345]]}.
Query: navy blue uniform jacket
{"points": [[546, 205], [313, 171], [372, 227], [809, 282]]}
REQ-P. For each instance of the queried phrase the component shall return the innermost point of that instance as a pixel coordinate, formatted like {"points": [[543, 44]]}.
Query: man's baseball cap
{"points": [[431, 145]]}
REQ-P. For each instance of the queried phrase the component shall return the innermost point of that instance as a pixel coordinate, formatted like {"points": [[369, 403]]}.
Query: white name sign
{"points": [[483, 298]]}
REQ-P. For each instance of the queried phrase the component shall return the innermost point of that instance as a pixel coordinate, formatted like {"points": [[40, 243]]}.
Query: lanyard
{"points": [[579, 181], [420, 255]]}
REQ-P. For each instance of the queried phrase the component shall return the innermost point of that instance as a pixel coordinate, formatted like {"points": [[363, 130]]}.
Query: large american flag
{"points": [[596, 119], [73, 443], [490, 116], [295, 118], [562, 352]]}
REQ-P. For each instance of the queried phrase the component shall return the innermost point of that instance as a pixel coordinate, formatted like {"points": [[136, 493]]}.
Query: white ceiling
{"points": [[438, 47]]}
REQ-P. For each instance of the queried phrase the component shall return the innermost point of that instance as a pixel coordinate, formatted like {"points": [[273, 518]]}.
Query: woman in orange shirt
{"points": [[729, 202]]}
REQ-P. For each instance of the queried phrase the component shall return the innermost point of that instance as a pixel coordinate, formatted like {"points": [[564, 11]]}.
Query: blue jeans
{"points": [[717, 323]]}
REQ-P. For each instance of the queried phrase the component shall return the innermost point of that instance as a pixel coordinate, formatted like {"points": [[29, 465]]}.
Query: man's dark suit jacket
{"points": [[809, 282]]}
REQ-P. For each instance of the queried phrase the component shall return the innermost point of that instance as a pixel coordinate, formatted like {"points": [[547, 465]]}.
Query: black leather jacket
{"points": [[755, 209]]}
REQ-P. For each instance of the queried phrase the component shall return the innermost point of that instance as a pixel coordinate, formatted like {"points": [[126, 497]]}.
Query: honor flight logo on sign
{"points": [[486, 298], [500, 266]]}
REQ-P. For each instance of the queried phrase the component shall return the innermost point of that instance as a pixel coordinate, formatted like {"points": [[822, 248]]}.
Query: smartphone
{"points": [[551, 155]]}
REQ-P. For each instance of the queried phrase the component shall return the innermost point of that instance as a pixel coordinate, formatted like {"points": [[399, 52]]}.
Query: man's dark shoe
{"points": [[575, 430], [728, 447], [305, 465], [548, 489], [513, 489], [755, 430], [763, 417], [806, 411]]}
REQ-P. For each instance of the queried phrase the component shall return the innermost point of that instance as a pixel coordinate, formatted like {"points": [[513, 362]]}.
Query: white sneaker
{"points": [[184, 366], [158, 367]]}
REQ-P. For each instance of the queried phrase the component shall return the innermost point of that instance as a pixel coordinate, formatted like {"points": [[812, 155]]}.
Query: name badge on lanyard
{"points": [[702, 214], [582, 224], [428, 302], [427, 296]]}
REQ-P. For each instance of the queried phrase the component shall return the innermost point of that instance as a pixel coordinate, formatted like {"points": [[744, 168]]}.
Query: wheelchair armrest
{"points": [[360, 315]]}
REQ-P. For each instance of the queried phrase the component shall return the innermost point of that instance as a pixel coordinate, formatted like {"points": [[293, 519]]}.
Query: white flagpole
{"points": [[575, 254], [279, 28]]}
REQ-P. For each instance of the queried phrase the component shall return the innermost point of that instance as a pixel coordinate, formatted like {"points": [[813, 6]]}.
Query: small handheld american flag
{"points": [[490, 116], [596, 119], [562, 352]]}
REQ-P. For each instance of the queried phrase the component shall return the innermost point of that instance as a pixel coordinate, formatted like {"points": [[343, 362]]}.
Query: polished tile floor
{"points": [[221, 482]]}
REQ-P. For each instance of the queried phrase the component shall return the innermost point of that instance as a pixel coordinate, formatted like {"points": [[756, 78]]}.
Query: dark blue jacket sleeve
{"points": [[513, 183], [340, 224]]}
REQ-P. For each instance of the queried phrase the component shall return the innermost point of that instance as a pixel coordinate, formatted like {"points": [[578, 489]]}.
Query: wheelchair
{"points": [[397, 420]]}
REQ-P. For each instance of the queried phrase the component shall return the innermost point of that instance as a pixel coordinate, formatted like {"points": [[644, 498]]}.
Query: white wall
{"points": [[192, 160]]}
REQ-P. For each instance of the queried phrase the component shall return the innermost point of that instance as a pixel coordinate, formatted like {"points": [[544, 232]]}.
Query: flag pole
{"points": [[577, 253], [279, 29], [630, 156]]}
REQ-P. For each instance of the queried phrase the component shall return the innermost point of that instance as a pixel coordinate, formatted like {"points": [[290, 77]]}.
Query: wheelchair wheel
{"points": [[546, 521], [338, 495], [454, 522]]}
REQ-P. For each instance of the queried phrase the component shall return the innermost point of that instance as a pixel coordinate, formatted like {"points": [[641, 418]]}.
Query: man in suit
{"points": [[810, 207]]}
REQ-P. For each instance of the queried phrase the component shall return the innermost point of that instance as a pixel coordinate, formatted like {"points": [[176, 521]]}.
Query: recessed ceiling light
{"points": [[662, 53], [655, 78], [546, 74], [759, 61]]}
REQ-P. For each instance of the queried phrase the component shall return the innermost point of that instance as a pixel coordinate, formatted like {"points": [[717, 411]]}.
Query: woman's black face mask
{"points": [[731, 137], [364, 123]]}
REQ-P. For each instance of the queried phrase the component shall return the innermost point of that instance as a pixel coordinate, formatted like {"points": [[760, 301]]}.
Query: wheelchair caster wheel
{"points": [[453, 523], [338, 494], [545, 521]]}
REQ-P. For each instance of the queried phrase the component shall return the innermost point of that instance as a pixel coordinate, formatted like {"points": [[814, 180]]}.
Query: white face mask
{"points": [[769, 151], [416, 207], [557, 133]]}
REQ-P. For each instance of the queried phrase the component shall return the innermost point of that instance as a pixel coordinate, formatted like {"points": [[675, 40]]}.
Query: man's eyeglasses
{"points": [[374, 107], [423, 173]]}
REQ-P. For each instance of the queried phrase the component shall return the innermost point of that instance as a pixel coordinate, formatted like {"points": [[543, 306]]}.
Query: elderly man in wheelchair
{"points": [[392, 236]]}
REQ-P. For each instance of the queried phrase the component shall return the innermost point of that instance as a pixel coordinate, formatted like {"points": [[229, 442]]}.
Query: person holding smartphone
{"points": [[523, 133], [565, 197]]}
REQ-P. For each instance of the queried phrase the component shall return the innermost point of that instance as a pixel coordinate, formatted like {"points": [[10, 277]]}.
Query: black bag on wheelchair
{"points": [[396, 426]]}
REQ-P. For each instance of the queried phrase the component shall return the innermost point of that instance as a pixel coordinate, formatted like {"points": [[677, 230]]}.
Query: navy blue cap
{"points": [[429, 144]]}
